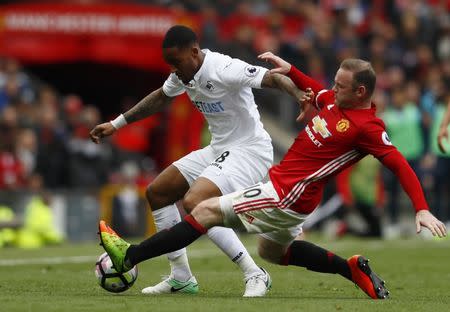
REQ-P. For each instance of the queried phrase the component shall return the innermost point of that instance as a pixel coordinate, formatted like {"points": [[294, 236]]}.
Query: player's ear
{"points": [[195, 50], [361, 91]]}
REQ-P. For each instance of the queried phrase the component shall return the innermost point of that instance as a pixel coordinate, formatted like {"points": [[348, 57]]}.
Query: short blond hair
{"points": [[363, 74]]}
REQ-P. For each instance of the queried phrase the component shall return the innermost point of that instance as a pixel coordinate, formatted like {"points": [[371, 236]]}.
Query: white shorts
{"points": [[255, 210], [231, 169]]}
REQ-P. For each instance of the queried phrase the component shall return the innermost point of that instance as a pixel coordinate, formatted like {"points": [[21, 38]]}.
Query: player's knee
{"points": [[155, 198], [150, 195]]}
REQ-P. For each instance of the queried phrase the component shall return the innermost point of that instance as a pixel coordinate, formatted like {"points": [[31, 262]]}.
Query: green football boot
{"points": [[115, 246]]}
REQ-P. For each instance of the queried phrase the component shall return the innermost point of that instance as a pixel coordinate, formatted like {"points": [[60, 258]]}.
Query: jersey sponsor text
{"points": [[204, 107]]}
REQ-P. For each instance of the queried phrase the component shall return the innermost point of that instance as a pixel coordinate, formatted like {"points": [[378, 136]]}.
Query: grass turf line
{"points": [[416, 272]]}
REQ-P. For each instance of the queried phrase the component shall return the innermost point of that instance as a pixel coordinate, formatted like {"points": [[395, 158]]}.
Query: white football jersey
{"points": [[222, 91]]}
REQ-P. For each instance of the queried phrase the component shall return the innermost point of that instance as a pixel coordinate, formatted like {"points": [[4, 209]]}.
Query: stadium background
{"points": [[65, 66]]}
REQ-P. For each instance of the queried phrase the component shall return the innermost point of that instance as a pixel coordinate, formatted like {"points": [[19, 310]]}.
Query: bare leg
{"points": [[225, 238], [169, 187]]}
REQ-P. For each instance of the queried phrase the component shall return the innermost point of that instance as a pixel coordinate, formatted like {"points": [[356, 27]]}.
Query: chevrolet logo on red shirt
{"points": [[320, 126]]}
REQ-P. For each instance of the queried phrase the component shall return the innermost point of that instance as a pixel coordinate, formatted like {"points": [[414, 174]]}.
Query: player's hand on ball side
{"points": [[281, 66], [100, 131], [426, 219]]}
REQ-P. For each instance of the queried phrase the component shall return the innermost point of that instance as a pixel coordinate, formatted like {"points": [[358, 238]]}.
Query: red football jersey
{"points": [[333, 140]]}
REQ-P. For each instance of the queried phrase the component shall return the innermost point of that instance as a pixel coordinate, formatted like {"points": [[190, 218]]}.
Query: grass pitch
{"points": [[62, 279]]}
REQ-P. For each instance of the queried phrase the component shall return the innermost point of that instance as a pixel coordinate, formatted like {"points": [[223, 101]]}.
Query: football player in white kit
{"points": [[239, 155]]}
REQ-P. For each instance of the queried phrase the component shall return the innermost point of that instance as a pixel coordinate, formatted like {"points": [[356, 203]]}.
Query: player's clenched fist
{"points": [[102, 130], [307, 99]]}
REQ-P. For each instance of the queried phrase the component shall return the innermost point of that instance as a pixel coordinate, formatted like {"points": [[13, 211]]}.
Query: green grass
{"points": [[417, 274]]}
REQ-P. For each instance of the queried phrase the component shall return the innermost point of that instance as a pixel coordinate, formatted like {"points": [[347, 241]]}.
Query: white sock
{"points": [[166, 218], [227, 240]]}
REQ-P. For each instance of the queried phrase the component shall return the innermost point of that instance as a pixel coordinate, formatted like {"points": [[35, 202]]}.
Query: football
{"points": [[108, 277]]}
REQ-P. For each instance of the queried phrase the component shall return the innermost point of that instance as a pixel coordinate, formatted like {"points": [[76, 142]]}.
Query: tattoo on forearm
{"points": [[282, 83], [149, 105]]}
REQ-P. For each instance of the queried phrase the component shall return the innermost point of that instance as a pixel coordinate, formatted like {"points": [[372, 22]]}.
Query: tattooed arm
{"points": [[149, 105], [284, 83], [281, 82]]}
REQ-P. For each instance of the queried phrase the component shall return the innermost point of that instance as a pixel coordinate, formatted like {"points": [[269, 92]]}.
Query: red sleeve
{"points": [[303, 81], [408, 179], [374, 140]]}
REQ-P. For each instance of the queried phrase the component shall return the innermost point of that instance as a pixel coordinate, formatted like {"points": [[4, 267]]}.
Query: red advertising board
{"points": [[123, 34]]}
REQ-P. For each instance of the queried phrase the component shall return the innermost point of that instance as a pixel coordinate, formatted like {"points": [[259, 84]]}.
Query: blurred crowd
{"points": [[45, 147], [44, 136]]}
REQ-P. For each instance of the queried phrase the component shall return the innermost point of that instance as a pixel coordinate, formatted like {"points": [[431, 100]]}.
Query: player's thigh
{"points": [[168, 187], [239, 167], [256, 209], [226, 171], [173, 183], [201, 189]]}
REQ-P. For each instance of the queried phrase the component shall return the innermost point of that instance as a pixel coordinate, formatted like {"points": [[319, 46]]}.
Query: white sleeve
{"points": [[238, 74], [173, 86]]}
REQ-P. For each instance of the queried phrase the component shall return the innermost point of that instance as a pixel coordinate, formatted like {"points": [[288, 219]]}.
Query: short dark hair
{"points": [[363, 73], [179, 36]]}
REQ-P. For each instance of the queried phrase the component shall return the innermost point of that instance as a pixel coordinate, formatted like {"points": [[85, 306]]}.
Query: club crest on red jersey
{"points": [[342, 125]]}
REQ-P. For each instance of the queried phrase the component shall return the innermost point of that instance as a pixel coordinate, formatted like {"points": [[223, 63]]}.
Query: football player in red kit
{"points": [[344, 131]]}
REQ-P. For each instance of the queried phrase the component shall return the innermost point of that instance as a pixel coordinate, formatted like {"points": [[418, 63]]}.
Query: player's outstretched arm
{"points": [[152, 103], [443, 130], [301, 80], [285, 84], [426, 219], [410, 183], [102, 130], [149, 105]]}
